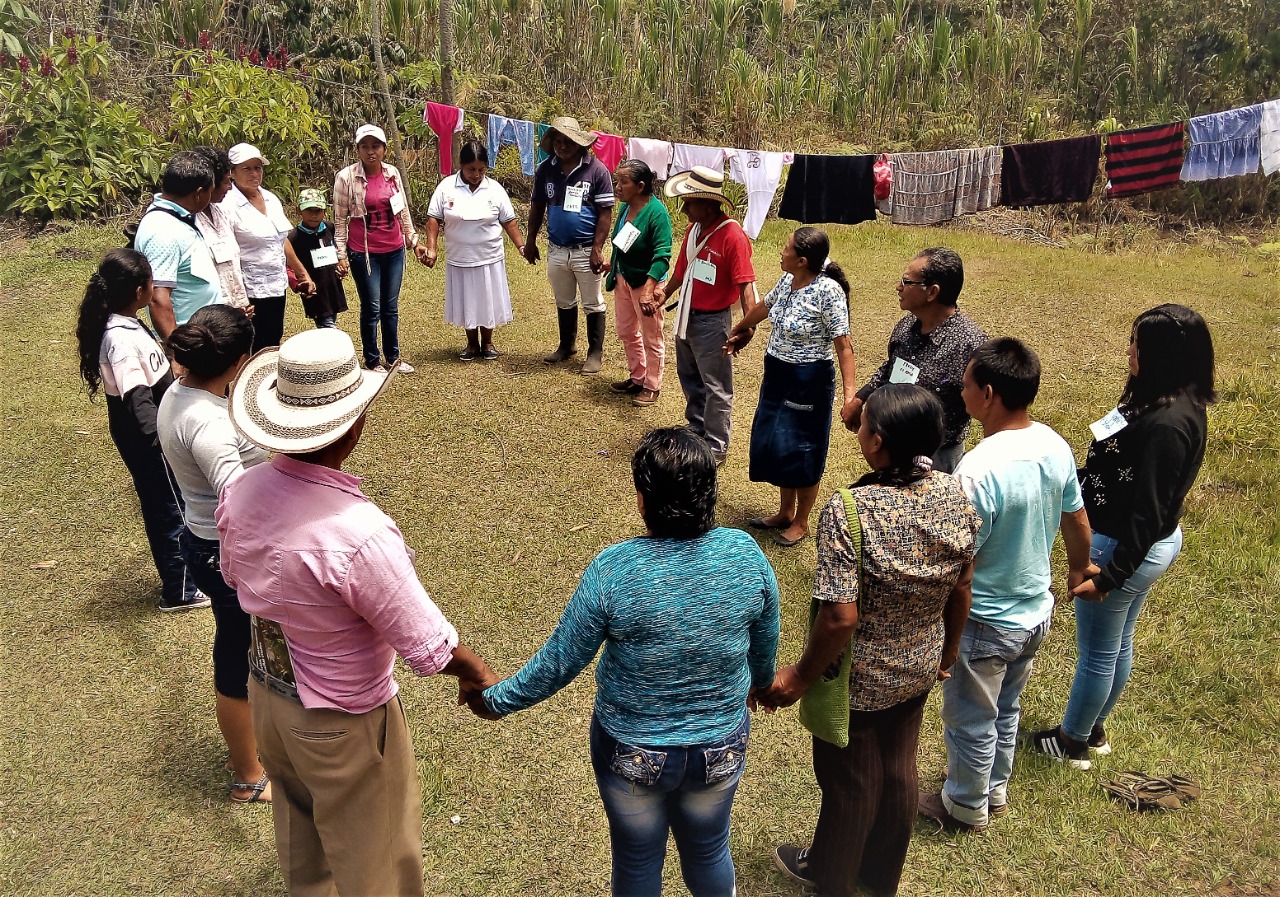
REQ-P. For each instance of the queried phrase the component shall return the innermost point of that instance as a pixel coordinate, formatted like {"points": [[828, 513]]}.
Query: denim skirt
{"points": [[791, 431]]}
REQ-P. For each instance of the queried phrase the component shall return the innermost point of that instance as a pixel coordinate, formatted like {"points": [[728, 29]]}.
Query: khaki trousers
{"points": [[347, 810]]}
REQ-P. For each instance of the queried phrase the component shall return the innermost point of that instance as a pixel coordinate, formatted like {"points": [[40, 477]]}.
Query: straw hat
{"points": [[701, 183], [304, 395], [570, 128]]}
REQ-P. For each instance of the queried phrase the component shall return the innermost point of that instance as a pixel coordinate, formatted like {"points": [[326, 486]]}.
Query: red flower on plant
{"points": [[186, 95], [4, 60], [24, 63], [69, 33], [255, 58], [204, 40], [208, 57], [73, 55], [46, 66], [26, 84], [182, 42], [241, 53]]}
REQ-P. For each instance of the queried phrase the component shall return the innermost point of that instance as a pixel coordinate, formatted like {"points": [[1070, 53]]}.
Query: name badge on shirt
{"points": [[280, 221], [221, 251], [324, 256], [1109, 425], [704, 271], [397, 203], [573, 197], [626, 237], [202, 266], [903, 372]]}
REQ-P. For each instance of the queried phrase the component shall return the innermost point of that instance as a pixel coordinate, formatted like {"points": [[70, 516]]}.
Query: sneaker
{"points": [[627, 387], [645, 397], [377, 368], [1098, 741], [405, 367], [1054, 745], [469, 354], [930, 806], [489, 353], [794, 861], [199, 599]]}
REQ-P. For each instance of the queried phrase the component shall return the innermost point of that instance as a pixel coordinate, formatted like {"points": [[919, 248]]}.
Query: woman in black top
{"points": [[1139, 469]]}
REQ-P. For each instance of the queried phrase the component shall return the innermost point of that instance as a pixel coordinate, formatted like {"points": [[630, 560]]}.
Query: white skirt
{"points": [[477, 297]]}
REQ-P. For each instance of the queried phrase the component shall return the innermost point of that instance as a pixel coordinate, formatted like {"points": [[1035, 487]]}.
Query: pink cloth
{"points": [[384, 227], [444, 121], [641, 336], [305, 548], [610, 149]]}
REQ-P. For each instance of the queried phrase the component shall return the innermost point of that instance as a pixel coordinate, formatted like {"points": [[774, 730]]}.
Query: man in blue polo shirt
{"points": [[186, 278], [574, 191]]}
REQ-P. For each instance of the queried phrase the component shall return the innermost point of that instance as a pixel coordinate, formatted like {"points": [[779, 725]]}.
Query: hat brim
{"points": [[259, 415], [681, 186], [584, 139]]}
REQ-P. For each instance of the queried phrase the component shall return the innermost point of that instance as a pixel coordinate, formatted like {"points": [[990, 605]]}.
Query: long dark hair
{"points": [[1175, 357], [814, 246], [908, 419], [212, 341], [674, 470], [112, 288]]}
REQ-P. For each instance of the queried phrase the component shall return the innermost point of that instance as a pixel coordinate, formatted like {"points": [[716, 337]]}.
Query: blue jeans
{"points": [[1104, 635], [981, 704], [377, 276], [648, 791]]}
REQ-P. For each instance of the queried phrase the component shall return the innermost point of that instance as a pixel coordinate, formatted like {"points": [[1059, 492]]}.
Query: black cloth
{"points": [[230, 622], [830, 190], [791, 431], [329, 298], [268, 321], [1052, 171], [131, 418], [1134, 482]]}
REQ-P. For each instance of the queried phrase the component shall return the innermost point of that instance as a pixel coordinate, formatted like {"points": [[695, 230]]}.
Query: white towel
{"points": [[654, 153]]}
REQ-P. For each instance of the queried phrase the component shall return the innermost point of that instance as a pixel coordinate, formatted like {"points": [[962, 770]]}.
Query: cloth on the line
{"points": [[654, 153], [610, 149], [1050, 171], [1224, 144], [538, 131], [444, 121], [760, 173], [930, 188], [1144, 159], [1269, 137], [687, 156], [829, 190], [514, 132]]}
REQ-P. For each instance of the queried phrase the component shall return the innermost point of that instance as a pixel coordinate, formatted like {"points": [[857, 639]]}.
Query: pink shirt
{"points": [[305, 548], [383, 225]]}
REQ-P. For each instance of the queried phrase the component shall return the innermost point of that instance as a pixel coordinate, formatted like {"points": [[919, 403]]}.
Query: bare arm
{"points": [[432, 241], [305, 285], [537, 211], [160, 308], [954, 617], [604, 222], [832, 628], [848, 375], [1076, 536], [512, 228]]}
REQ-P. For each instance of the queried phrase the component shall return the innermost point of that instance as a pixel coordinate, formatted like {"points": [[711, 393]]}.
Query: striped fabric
{"points": [[1144, 159]]}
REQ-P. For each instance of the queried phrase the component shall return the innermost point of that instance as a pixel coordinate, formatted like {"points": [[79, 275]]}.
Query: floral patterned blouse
{"points": [[916, 539], [806, 321]]}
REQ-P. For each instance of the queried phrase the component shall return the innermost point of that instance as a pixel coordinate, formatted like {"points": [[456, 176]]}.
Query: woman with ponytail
{"points": [[120, 356], [898, 606], [808, 313], [206, 453]]}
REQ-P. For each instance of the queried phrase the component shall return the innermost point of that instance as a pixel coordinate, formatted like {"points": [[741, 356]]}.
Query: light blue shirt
{"points": [[1224, 145], [688, 627], [180, 260], [1020, 482]]}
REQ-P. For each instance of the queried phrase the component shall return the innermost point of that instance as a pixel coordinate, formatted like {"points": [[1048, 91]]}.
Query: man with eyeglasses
{"points": [[931, 346]]}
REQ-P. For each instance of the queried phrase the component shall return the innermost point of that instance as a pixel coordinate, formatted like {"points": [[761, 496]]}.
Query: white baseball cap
{"points": [[243, 152], [371, 131]]}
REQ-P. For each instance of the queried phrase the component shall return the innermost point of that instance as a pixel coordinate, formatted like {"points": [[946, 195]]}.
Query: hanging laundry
{"points": [[444, 122], [687, 156], [654, 153], [610, 149], [1269, 138], [1144, 159], [760, 173], [1050, 171], [512, 132], [537, 141], [930, 188], [1224, 145], [829, 190]]}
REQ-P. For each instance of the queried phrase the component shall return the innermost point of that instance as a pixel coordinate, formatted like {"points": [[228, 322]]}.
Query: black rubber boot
{"points": [[568, 336], [595, 342]]}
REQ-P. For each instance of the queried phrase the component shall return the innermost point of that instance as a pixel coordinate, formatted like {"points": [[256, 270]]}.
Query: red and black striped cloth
{"points": [[1144, 159]]}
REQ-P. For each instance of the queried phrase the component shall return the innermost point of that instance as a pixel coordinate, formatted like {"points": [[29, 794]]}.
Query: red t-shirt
{"points": [[730, 251], [384, 227]]}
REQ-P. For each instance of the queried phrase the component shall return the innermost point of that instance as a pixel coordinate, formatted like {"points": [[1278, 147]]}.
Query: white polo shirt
{"points": [[261, 241], [130, 357], [472, 220]]}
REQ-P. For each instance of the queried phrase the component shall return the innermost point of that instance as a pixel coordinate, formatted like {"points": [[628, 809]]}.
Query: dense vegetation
{"points": [[881, 74]]}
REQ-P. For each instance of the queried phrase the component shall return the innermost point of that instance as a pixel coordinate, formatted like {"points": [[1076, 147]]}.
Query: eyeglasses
{"points": [[913, 283]]}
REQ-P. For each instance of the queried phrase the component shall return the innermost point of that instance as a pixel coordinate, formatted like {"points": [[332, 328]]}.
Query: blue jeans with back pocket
{"points": [[688, 791]]}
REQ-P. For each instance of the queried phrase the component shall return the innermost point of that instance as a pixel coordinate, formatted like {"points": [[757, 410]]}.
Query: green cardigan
{"points": [[650, 255]]}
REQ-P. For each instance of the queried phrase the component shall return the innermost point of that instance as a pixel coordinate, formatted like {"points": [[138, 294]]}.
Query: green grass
{"points": [[507, 478]]}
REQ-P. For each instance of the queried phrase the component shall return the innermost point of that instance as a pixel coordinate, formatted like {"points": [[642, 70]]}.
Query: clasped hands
{"points": [[471, 692], [1080, 584], [786, 689]]}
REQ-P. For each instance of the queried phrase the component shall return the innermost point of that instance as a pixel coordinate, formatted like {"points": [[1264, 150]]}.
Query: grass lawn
{"points": [[507, 478]]}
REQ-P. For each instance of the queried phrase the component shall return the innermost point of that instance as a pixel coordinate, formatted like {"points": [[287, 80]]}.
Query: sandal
{"points": [[256, 790]]}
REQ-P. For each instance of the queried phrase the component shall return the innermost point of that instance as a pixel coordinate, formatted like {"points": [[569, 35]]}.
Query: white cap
{"points": [[243, 152], [371, 131]]}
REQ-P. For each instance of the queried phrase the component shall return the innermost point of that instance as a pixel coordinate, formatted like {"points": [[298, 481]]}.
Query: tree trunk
{"points": [[446, 52], [384, 84]]}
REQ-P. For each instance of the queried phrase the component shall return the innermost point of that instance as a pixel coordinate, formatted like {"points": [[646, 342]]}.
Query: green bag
{"points": [[824, 709]]}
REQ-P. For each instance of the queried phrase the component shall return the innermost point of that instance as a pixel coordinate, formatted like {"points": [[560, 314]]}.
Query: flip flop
{"points": [[256, 788], [780, 539]]}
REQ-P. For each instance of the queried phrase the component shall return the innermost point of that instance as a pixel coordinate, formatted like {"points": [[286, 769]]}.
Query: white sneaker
{"points": [[406, 368]]}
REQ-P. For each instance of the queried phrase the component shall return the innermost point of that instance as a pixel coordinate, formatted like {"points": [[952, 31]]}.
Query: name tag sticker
{"points": [[1109, 425], [626, 237], [222, 251], [324, 256], [704, 271], [903, 372], [397, 203], [202, 266], [573, 197]]}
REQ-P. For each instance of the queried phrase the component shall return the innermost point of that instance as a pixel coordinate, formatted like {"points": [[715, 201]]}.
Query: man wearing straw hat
{"points": [[574, 191], [333, 595], [712, 271]]}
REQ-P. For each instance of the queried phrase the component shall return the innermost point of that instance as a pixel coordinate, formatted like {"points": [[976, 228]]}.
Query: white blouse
{"points": [[472, 220], [261, 241]]}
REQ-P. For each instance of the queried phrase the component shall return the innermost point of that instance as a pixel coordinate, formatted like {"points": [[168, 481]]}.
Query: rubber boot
{"points": [[568, 336], [595, 342]]}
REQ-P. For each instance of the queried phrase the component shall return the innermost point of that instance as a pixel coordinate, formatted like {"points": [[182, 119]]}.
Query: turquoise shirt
{"points": [[180, 260]]}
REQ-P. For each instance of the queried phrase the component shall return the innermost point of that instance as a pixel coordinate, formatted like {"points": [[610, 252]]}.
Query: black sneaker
{"points": [[1056, 746], [199, 599], [1098, 741], [794, 861]]}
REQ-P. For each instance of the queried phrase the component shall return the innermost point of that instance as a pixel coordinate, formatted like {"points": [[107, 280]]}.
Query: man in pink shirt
{"points": [[334, 598]]}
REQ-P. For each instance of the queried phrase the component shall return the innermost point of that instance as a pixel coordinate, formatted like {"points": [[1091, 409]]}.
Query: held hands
{"points": [[660, 294], [648, 303], [1088, 589], [738, 339], [597, 260], [421, 252], [430, 257], [530, 251], [344, 267], [848, 411], [787, 688], [306, 287], [471, 692]]}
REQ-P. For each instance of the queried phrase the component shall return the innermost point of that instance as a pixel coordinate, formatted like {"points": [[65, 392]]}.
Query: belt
{"points": [[709, 311]]}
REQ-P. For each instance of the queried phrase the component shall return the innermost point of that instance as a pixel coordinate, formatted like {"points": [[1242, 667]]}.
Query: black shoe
{"points": [[794, 861], [1056, 746], [627, 387], [199, 599], [1098, 741]]}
